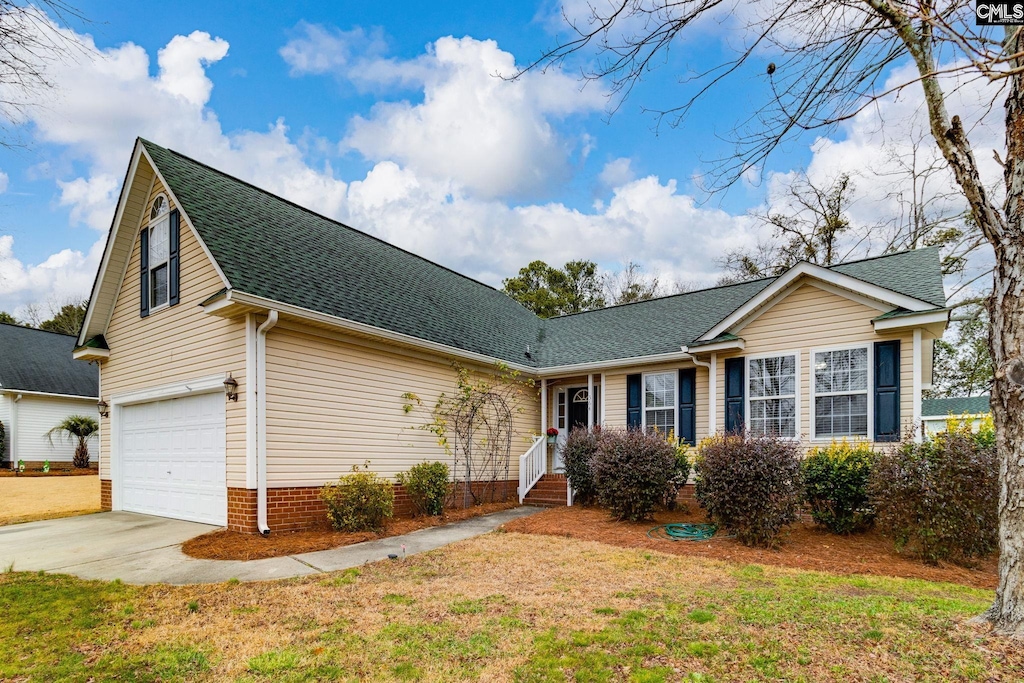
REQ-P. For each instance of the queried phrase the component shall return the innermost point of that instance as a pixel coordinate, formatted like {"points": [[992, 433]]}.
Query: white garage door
{"points": [[172, 459]]}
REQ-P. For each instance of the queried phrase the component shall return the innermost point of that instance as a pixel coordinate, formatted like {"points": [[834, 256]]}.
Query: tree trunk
{"points": [[1006, 342], [81, 459]]}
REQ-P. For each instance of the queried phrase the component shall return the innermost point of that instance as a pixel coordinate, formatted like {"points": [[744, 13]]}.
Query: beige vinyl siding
{"points": [[809, 319], [335, 401], [135, 204], [39, 414], [176, 344], [615, 394]]}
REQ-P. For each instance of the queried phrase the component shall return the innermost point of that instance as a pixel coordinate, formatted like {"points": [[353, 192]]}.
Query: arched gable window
{"points": [[159, 258]]}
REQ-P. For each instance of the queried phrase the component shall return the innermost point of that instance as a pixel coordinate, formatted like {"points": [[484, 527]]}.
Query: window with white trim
{"points": [[841, 392], [772, 395], [660, 402], [159, 252]]}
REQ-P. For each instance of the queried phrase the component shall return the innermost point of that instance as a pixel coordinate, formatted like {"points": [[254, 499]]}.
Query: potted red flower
{"points": [[552, 434]]}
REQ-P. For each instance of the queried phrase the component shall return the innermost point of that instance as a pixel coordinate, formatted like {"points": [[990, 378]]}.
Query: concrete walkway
{"points": [[142, 549]]}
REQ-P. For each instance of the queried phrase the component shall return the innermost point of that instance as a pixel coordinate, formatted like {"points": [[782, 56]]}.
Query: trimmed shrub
{"points": [[360, 501], [428, 487], [836, 486], [939, 499], [750, 485], [632, 469], [578, 455], [3, 442]]}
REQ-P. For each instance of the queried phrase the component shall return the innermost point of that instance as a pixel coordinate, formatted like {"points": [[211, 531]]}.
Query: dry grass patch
{"points": [[509, 607], [27, 499], [232, 545], [804, 546]]}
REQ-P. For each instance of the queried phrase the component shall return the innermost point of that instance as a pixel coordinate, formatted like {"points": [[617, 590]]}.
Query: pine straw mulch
{"points": [[804, 546], [67, 471], [232, 545]]}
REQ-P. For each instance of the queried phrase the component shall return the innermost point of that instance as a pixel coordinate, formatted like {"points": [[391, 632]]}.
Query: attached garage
{"points": [[172, 459]]}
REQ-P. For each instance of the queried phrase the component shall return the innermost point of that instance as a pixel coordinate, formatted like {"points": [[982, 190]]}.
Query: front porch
{"points": [[566, 403]]}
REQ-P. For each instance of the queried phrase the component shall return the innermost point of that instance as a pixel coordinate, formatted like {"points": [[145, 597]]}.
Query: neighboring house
{"points": [[936, 411], [324, 328], [40, 385]]}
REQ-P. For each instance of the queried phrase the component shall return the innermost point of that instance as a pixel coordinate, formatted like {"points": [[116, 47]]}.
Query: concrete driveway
{"points": [[143, 549]]}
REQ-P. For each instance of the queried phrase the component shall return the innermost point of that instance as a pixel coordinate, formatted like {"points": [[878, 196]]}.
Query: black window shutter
{"points": [[173, 262], [688, 406], [735, 392], [887, 390], [144, 271], [634, 400]]}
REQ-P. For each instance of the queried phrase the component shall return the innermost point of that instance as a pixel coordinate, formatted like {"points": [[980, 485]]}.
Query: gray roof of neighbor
{"points": [[36, 360], [971, 405], [273, 248]]}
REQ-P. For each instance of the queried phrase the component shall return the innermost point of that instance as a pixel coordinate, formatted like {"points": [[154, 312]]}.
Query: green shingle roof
{"points": [[36, 360], [273, 248], [941, 407], [644, 328], [915, 273]]}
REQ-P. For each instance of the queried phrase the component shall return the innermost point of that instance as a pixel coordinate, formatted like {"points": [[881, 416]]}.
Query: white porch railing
{"points": [[532, 466]]}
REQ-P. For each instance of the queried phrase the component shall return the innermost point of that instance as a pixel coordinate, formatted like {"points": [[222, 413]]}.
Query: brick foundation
{"points": [[106, 502], [298, 508], [687, 496]]}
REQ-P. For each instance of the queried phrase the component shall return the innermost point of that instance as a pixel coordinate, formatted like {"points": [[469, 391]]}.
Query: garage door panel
{"points": [[173, 460]]}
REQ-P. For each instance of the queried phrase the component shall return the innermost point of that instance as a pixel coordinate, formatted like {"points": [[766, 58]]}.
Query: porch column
{"points": [[603, 383], [544, 408], [590, 402], [713, 395], [918, 377]]}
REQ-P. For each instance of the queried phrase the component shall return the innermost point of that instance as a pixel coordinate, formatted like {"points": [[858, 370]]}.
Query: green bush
{"points": [[360, 501], [939, 499], [428, 486], [836, 486], [632, 469], [578, 455], [680, 473], [749, 485]]}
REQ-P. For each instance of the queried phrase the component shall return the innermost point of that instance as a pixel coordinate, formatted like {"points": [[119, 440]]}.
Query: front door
{"points": [[575, 402], [578, 408]]}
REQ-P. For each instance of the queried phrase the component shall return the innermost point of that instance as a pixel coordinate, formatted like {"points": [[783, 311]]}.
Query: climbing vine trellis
{"points": [[475, 426]]}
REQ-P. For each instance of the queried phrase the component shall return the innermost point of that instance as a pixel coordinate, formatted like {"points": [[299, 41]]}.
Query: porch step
{"points": [[550, 491]]}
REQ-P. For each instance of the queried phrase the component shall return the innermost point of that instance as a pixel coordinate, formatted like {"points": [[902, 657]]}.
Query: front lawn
{"points": [[507, 607]]}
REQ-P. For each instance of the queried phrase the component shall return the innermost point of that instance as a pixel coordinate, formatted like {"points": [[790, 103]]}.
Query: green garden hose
{"points": [[683, 532]]}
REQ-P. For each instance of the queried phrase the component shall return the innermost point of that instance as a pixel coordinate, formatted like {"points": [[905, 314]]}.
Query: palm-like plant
{"points": [[76, 427]]}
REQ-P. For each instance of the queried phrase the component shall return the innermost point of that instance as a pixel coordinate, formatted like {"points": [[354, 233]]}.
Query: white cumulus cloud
{"points": [[492, 136]]}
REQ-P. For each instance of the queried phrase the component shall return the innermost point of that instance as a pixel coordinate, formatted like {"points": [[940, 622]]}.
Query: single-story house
{"points": [[251, 350], [40, 385], [936, 411]]}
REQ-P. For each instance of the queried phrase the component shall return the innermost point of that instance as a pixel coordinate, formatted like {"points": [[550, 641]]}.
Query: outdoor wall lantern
{"points": [[103, 408], [231, 388]]}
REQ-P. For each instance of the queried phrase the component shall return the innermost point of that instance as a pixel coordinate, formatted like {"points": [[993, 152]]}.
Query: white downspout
{"points": [[261, 423], [712, 369]]}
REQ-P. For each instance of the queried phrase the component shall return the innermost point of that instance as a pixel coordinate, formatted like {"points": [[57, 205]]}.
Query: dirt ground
{"points": [[804, 546], [57, 470], [27, 499], [231, 545]]}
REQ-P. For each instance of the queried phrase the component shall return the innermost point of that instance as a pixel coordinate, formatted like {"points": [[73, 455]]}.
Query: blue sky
{"points": [[388, 117]]}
